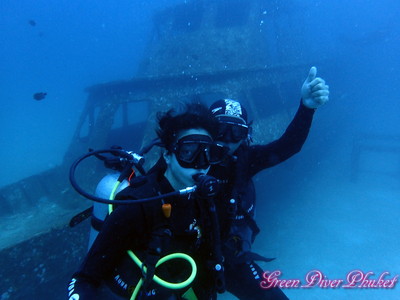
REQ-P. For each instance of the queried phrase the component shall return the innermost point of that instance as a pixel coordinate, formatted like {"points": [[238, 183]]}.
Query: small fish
{"points": [[32, 22], [39, 96]]}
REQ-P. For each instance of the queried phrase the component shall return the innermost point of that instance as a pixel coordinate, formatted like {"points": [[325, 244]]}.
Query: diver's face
{"points": [[179, 176], [232, 146], [232, 131]]}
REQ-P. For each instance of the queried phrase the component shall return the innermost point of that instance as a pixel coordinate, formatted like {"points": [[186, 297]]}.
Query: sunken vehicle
{"points": [[204, 50]]}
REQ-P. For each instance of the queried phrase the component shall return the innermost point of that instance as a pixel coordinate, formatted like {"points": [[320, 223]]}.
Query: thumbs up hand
{"points": [[314, 92]]}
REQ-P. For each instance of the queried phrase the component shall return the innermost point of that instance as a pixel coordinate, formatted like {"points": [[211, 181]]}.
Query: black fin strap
{"points": [[82, 216]]}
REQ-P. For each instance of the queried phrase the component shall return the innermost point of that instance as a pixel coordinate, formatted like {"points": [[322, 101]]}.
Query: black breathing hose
{"points": [[206, 186]]}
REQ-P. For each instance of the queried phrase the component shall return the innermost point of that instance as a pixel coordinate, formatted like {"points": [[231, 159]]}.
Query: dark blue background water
{"points": [[74, 44], [312, 215]]}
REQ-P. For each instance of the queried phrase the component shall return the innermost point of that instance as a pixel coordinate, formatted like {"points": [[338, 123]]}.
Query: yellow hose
{"points": [[166, 284], [112, 196]]}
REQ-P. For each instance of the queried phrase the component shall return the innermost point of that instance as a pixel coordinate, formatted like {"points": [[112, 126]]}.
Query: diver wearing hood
{"points": [[237, 201]]}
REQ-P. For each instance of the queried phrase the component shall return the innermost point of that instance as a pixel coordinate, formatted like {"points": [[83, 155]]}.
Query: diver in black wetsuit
{"points": [[186, 224], [236, 202]]}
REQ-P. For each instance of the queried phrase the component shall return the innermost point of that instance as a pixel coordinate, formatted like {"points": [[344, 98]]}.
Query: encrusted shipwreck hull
{"points": [[204, 50]]}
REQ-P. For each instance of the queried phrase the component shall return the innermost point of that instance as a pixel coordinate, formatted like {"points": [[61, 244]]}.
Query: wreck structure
{"points": [[202, 49]]}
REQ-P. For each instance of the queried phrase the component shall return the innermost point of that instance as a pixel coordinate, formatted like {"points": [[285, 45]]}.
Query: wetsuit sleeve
{"points": [[120, 231], [264, 156]]}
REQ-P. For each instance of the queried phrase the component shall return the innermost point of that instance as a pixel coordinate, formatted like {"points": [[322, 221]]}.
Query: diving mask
{"points": [[198, 151], [230, 131]]}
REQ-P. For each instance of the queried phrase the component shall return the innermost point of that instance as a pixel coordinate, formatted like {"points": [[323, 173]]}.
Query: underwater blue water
{"points": [[312, 215], [72, 45]]}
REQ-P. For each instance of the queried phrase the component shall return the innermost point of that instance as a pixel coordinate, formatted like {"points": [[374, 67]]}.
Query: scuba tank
{"points": [[100, 210]]}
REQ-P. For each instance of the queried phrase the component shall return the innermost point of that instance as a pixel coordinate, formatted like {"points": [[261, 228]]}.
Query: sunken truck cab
{"points": [[198, 50]]}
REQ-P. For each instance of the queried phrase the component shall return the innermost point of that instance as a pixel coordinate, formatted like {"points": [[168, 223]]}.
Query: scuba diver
{"points": [[242, 274], [179, 225], [236, 200]]}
